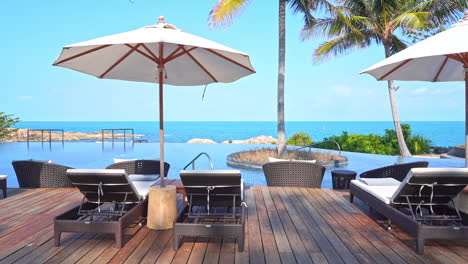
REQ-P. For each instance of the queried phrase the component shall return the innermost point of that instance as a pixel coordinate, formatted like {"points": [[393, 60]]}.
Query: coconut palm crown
{"points": [[225, 11], [356, 24]]}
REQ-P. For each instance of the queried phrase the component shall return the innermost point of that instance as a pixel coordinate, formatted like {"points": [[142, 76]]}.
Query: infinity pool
{"points": [[96, 155]]}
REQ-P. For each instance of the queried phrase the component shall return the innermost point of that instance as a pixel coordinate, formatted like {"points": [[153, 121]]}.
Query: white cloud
{"points": [[341, 90], [421, 90], [25, 97]]}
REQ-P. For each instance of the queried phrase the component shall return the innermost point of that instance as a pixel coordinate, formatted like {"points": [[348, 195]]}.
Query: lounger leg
{"points": [[5, 192], [351, 198], [57, 238], [175, 242], [389, 224], [119, 239], [420, 245], [240, 243]]}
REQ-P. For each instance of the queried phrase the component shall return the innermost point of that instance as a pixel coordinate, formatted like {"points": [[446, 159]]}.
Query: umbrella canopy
{"points": [[440, 58], [160, 53]]}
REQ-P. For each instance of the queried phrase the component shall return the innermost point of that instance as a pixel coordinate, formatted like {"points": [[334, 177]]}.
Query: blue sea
{"points": [[92, 155], [442, 133]]}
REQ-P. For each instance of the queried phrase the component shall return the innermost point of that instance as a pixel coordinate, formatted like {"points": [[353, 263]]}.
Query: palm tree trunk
{"points": [[281, 74], [404, 151]]}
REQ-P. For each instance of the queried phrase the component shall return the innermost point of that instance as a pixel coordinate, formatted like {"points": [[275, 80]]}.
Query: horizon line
{"points": [[241, 121]]}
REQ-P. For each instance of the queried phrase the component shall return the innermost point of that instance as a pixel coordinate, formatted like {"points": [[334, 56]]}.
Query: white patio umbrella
{"points": [[161, 54], [440, 58]]}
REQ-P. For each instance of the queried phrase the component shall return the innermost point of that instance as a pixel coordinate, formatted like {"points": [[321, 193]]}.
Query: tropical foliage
{"points": [[299, 139], [225, 11], [356, 24], [376, 144], [6, 121]]}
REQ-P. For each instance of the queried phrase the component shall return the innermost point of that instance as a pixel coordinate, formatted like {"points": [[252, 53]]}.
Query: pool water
{"points": [[97, 155]]}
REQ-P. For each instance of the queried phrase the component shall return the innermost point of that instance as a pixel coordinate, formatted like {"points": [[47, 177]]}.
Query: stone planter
{"points": [[231, 161]]}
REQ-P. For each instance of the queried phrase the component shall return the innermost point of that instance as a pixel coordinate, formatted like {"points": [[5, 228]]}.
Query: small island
{"points": [[21, 135]]}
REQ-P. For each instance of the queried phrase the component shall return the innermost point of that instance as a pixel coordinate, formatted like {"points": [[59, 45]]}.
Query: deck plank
{"points": [[295, 237], [256, 249], [397, 246], [307, 200], [157, 247], [270, 250], [284, 225], [385, 249], [198, 251], [284, 248]]}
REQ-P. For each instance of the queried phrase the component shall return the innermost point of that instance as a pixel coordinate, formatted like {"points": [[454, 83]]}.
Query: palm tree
{"points": [[355, 24], [225, 11]]}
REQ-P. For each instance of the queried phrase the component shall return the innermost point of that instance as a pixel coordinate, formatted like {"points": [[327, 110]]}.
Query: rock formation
{"points": [[201, 141], [256, 140], [21, 135]]}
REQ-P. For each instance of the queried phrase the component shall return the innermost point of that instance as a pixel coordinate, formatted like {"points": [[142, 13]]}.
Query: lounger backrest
{"points": [[221, 185], [104, 185], [141, 167], [397, 171], [440, 183]]}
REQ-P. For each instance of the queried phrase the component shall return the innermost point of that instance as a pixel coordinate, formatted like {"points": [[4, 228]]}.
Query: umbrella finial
{"points": [[161, 20]]}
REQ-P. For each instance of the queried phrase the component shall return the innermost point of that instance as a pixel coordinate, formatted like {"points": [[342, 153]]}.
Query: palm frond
{"points": [[304, 7], [411, 20], [225, 11], [443, 11], [344, 44], [396, 45]]}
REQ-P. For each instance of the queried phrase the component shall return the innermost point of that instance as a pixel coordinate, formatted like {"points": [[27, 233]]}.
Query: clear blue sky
{"points": [[33, 33]]}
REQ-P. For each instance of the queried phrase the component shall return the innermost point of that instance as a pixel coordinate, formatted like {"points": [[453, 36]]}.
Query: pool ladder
{"points": [[198, 156], [331, 140]]}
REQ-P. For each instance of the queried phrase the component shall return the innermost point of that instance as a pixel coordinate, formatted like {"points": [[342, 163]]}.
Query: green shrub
{"points": [[6, 121], [385, 145], [299, 139]]}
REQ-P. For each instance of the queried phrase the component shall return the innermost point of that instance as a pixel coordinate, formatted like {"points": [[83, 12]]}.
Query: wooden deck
{"points": [[285, 225]]}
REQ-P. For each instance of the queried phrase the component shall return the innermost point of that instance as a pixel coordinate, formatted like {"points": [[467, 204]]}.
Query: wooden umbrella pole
{"points": [[466, 115], [161, 130], [161, 116]]}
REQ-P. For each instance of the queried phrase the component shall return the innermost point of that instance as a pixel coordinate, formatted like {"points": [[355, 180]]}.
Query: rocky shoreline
{"points": [[255, 140], [21, 135]]}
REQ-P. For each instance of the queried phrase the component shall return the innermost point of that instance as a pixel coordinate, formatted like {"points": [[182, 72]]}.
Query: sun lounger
{"points": [[294, 174], [422, 204], [41, 174], [145, 168], [397, 171], [111, 202], [215, 206]]}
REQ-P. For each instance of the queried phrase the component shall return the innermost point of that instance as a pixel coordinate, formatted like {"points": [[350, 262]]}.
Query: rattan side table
{"points": [[342, 178]]}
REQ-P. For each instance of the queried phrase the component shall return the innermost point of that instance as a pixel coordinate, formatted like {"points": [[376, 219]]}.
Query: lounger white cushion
{"points": [[143, 177], [383, 193], [142, 187], [3, 177], [270, 159], [122, 160], [380, 181]]}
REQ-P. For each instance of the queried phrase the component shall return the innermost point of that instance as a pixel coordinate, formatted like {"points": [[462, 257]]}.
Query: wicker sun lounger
{"points": [[141, 167], [41, 174], [422, 204], [215, 206], [111, 202], [397, 171]]}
